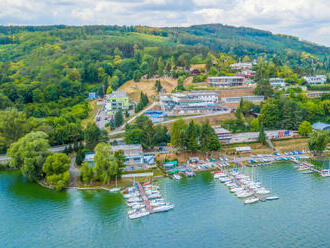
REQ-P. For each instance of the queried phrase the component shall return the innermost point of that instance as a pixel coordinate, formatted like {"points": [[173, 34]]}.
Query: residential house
{"points": [[277, 82], [226, 81], [241, 66], [117, 100], [318, 79]]}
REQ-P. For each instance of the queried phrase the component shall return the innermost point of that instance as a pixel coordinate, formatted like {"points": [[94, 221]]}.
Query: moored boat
{"points": [[251, 200]]}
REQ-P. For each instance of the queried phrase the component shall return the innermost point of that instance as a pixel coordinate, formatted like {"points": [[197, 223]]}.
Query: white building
{"points": [[241, 66], [226, 81], [318, 79], [277, 82], [133, 153], [196, 102], [237, 99]]}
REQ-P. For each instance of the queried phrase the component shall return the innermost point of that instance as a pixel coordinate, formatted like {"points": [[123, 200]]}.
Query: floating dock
{"points": [[145, 198]]}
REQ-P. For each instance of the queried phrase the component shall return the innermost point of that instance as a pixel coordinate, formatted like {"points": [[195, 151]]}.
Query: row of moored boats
{"points": [[244, 187], [143, 203]]}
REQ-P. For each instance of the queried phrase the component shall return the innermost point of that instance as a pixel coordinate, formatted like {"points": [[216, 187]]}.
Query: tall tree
{"points": [[29, 154], [318, 141], [56, 169], [93, 135], [177, 133]]}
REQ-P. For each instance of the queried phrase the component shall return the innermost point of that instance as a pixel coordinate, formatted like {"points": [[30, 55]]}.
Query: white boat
{"points": [[131, 195], [244, 194], [325, 173], [262, 191], [138, 206], [177, 176], [113, 190], [251, 200], [163, 208], [138, 214], [150, 192], [154, 196], [157, 204], [134, 199]]}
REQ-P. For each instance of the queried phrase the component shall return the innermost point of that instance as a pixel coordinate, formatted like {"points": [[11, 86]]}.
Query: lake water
{"points": [[206, 215]]}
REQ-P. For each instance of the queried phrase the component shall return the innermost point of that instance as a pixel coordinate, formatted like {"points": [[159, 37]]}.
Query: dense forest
{"points": [[46, 72]]}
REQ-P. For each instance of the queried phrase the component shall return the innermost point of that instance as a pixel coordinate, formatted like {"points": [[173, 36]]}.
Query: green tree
{"points": [[208, 139], [262, 135], [178, 133], [29, 154], [318, 141], [108, 164], [86, 173], [305, 128], [56, 169], [264, 88], [119, 119], [93, 135], [191, 135]]}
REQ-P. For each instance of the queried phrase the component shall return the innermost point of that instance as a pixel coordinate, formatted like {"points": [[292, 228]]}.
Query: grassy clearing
{"points": [[257, 148], [134, 89], [291, 144]]}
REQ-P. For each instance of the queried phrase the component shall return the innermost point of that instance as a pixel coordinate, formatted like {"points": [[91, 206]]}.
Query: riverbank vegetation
{"points": [[108, 165]]}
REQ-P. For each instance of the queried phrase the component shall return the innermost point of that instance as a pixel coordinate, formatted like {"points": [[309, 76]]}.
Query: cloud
{"points": [[308, 19]]}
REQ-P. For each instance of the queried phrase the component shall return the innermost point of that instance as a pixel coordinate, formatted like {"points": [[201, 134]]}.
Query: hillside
{"points": [[239, 40]]}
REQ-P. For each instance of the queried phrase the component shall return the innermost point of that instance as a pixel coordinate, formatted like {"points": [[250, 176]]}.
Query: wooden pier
{"points": [[145, 198]]}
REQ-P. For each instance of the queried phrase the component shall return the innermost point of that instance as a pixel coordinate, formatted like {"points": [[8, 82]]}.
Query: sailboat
{"points": [[116, 189], [326, 172]]}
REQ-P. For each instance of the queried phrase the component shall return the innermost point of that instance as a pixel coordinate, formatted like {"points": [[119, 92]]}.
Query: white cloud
{"points": [[308, 19]]}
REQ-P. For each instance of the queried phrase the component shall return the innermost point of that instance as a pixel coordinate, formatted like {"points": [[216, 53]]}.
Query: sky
{"points": [[307, 19]]}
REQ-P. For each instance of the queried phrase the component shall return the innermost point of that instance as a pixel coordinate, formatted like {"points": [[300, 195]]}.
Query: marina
{"points": [[243, 187], [144, 199]]}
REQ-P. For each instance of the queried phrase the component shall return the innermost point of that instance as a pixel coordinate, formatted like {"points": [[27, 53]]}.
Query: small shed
{"points": [[243, 149]]}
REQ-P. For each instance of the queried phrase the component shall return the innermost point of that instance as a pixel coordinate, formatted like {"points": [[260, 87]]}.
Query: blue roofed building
{"points": [[321, 126]]}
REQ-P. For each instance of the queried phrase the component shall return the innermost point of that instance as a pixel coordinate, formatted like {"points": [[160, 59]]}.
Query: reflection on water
{"points": [[206, 214]]}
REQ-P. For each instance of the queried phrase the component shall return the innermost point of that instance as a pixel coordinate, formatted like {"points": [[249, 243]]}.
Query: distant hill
{"points": [[241, 40], [217, 37]]}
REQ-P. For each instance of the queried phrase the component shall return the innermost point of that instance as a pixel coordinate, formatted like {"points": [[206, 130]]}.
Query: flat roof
{"points": [[117, 94], [226, 77], [127, 147]]}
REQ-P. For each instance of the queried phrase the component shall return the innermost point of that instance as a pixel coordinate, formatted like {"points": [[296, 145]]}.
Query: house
{"points": [[318, 79], [117, 100], [277, 82], [89, 158], [133, 153], [243, 149], [241, 66], [223, 134], [246, 74], [321, 126], [92, 95], [194, 71], [226, 81], [237, 99]]}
